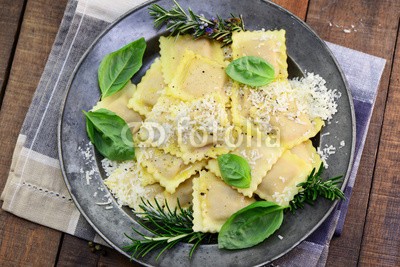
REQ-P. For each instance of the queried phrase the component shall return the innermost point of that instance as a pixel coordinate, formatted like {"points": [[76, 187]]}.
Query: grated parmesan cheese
{"points": [[342, 144], [109, 166], [314, 98], [125, 184], [325, 153]]}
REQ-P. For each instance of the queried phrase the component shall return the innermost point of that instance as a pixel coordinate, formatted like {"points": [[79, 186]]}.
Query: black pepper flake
{"points": [[202, 193]]}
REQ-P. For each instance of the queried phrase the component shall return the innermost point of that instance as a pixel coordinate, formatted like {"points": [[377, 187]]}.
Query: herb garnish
{"points": [[315, 187], [245, 228], [250, 70], [117, 68], [251, 225], [110, 134], [179, 22], [168, 228], [235, 170]]}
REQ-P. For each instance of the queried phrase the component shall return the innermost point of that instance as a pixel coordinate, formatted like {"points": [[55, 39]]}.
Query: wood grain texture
{"points": [[11, 14], [373, 29], [23, 243], [298, 7], [381, 240], [75, 251]]}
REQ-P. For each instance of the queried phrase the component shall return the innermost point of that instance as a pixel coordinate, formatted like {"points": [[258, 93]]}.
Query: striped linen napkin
{"points": [[35, 188]]}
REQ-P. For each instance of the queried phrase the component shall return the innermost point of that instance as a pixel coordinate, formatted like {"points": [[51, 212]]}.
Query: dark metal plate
{"points": [[307, 53]]}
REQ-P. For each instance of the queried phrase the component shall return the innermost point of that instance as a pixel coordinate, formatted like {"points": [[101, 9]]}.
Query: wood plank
{"points": [[75, 251], [298, 7], [21, 242], [374, 32], [381, 241], [11, 13], [26, 244]]}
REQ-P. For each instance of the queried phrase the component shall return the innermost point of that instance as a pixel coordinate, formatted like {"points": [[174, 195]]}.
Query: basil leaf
{"points": [[110, 134], [249, 70], [251, 225], [235, 170], [118, 67]]}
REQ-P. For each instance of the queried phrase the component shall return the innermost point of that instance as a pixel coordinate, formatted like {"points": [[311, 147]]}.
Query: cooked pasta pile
{"points": [[192, 112]]}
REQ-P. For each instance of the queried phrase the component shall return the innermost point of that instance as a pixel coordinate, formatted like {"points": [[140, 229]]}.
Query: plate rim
{"points": [[146, 3]]}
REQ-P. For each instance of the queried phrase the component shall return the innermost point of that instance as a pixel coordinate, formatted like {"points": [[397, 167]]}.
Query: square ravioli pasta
{"points": [[214, 202], [125, 183], [292, 168], [192, 130], [172, 50], [197, 76], [167, 169], [260, 155], [148, 90], [269, 45], [183, 194], [254, 107], [273, 110], [118, 102]]}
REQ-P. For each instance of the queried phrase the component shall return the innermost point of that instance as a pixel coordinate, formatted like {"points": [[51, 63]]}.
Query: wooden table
{"points": [[372, 231]]}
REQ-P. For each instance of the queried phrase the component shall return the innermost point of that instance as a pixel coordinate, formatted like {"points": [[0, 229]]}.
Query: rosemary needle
{"points": [[167, 227], [179, 22], [314, 187]]}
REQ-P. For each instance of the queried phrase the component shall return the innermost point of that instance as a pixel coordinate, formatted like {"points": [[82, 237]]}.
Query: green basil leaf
{"points": [[249, 70], [110, 134], [251, 225], [118, 67], [235, 170]]}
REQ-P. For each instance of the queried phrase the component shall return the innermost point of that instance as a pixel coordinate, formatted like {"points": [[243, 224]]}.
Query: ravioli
{"points": [[296, 129], [190, 130], [159, 127], [168, 170], [252, 108], [117, 103], [280, 183], [126, 184], [307, 152], [198, 77], [269, 45], [214, 202], [146, 177], [260, 156], [183, 193], [173, 48], [148, 90]]}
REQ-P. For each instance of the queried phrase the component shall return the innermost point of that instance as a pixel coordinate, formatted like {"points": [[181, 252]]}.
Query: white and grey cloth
{"points": [[35, 188]]}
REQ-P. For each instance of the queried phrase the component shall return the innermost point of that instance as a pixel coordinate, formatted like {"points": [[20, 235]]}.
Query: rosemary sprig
{"points": [[168, 227], [179, 22], [315, 187]]}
